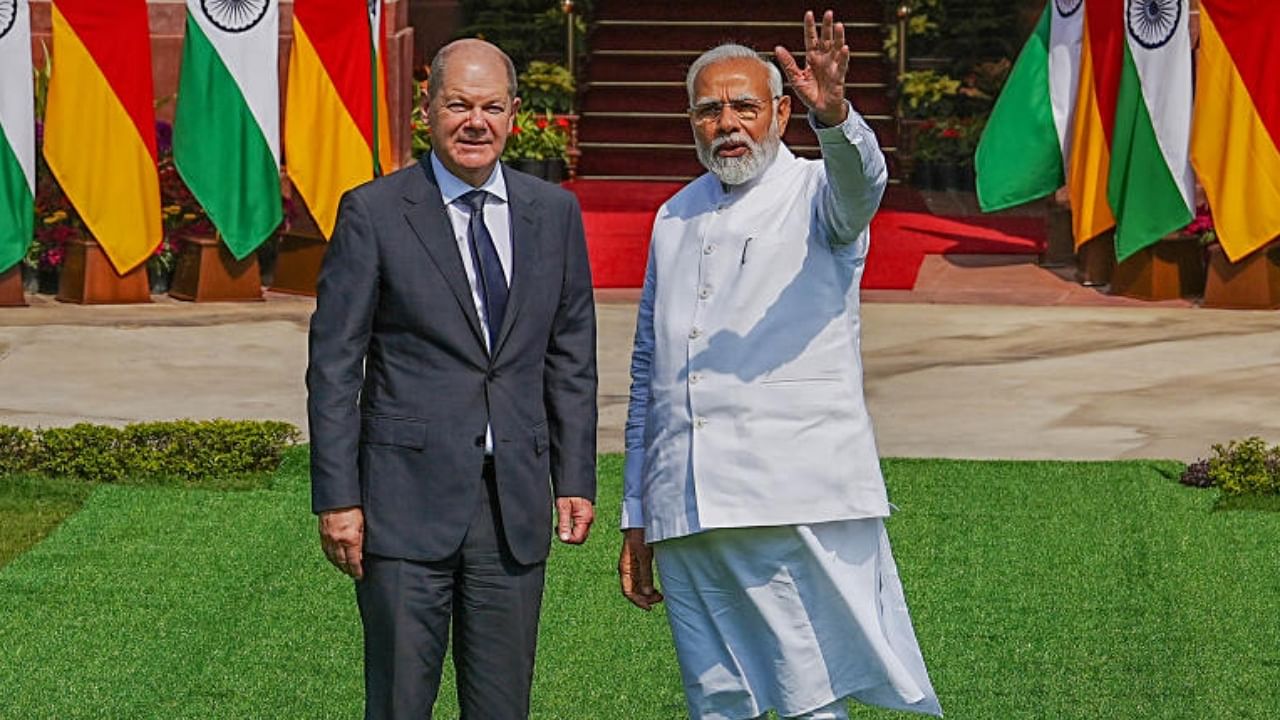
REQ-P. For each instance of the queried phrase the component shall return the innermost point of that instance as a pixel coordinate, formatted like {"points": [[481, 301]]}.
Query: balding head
{"points": [[468, 50]]}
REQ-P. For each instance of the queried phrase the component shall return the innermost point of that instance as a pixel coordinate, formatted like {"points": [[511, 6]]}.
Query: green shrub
{"points": [[219, 453], [17, 449], [84, 451], [1244, 467]]}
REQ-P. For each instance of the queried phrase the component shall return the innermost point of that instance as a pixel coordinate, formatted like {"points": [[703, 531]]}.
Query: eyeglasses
{"points": [[746, 109]]}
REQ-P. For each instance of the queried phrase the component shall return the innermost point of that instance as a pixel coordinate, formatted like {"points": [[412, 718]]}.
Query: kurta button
{"points": [[700, 423], [709, 249], [694, 379], [704, 293], [694, 334]]}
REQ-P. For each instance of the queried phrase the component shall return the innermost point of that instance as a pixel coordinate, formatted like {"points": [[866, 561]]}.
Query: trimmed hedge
{"points": [[223, 453]]}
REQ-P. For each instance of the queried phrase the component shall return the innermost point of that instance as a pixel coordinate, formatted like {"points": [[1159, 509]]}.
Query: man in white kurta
{"points": [[752, 475]]}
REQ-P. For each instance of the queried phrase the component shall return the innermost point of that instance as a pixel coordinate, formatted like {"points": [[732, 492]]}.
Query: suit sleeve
{"points": [[569, 379], [346, 296], [856, 178]]}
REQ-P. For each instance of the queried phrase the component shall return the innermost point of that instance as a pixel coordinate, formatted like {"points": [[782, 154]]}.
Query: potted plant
{"points": [[56, 225], [538, 144], [181, 215], [546, 87]]}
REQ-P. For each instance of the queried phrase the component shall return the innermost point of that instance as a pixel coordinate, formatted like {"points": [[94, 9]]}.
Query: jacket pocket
{"points": [[401, 432], [540, 440]]}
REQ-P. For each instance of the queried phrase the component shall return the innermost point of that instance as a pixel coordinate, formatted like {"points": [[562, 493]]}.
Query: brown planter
{"points": [[11, 288], [208, 272], [298, 262], [1170, 269], [1096, 260], [88, 278], [1253, 283]]}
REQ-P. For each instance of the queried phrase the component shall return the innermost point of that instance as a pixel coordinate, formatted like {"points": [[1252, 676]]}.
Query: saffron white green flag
{"points": [[1024, 148], [1152, 186], [17, 133], [226, 133]]}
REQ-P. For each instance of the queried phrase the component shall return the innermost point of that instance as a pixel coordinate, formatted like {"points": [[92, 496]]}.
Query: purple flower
{"points": [[164, 137]]}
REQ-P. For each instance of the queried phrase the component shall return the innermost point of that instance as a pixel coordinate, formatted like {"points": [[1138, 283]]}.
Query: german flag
{"points": [[100, 133], [1235, 138], [336, 129]]}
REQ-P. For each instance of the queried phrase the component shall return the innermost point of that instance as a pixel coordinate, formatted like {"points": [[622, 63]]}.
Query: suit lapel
{"points": [[427, 216], [524, 255]]}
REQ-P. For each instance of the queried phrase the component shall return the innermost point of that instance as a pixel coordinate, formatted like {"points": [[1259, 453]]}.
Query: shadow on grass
{"points": [[32, 506]]}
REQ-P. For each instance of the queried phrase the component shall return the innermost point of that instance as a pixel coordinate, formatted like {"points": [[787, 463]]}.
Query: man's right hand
{"points": [[635, 570], [342, 539]]}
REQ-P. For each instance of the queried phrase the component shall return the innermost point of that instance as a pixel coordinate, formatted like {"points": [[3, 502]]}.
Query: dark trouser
{"points": [[493, 603]]}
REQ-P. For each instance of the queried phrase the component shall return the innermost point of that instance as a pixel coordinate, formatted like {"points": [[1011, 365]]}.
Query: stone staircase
{"points": [[633, 124]]}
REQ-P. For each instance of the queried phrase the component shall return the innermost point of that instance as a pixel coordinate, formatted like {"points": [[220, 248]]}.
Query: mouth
{"points": [[474, 143], [732, 150]]}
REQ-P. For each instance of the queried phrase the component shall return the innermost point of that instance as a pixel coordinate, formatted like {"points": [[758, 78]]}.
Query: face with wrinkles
{"points": [[737, 125], [472, 112]]}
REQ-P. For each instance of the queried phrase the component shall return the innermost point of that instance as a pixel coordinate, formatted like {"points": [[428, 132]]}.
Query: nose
{"points": [[728, 120], [475, 118]]}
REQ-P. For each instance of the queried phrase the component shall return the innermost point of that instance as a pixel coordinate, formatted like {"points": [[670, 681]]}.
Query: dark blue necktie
{"points": [[484, 256]]}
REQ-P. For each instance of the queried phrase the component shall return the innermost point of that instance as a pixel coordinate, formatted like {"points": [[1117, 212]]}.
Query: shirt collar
{"points": [[452, 187]]}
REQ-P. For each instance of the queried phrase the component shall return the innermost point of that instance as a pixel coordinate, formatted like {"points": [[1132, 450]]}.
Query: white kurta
{"points": [[751, 462], [746, 372]]}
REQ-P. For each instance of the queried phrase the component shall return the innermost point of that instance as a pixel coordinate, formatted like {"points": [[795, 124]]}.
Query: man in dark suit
{"points": [[452, 390]]}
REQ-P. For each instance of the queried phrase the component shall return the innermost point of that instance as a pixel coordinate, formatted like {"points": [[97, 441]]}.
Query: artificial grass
{"points": [[32, 506], [1038, 589]]}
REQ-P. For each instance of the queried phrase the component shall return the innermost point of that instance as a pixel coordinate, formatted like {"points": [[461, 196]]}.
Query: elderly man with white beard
{"points": [[752, 476]]}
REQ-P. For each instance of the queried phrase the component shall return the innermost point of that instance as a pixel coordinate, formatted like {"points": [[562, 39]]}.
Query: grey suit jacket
{"points": [[401, 387]]}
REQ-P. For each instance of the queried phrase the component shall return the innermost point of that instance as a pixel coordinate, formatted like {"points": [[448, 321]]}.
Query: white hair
{"points": [[730, 51]]}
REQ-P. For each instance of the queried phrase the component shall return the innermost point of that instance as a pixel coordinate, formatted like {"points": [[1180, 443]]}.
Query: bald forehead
{"points": [[736, 75], [472, 51]]}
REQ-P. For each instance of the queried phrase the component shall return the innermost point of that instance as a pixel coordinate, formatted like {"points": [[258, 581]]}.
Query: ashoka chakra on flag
{"points": [[1067, 8], [8, 13], [234, 16], [1153, 22]]}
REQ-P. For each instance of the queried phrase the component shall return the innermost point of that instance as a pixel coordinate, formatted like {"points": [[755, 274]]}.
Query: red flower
{"points": [[515, 130], [562, 122], [541, 123], [951, 133]]}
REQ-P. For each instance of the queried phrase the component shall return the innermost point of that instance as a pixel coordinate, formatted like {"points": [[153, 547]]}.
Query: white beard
{"points": [[738, 170]]}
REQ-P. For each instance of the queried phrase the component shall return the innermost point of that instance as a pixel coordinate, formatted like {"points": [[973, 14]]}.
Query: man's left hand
{"points": [[820, 85], [575, 515]]}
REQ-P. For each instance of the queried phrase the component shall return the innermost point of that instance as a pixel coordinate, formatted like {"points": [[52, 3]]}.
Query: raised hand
{"points": [[820, 84]]}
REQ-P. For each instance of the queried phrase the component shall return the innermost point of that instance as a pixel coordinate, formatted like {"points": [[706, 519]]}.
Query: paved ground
{"points": [[1026, 378]]}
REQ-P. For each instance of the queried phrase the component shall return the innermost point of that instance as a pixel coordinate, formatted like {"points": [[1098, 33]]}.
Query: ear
{"points": [[784, 114], [515, 108]]}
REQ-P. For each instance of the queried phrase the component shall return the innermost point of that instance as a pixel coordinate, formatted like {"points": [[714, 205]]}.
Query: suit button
{"points": [[479, 441]]}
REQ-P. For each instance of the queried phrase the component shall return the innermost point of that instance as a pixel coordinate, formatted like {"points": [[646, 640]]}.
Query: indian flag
{"points": [[1151, 188], [335, 127], [17, 133], [99, 130], [1026, 143], [1235, 143], [226, 133]]}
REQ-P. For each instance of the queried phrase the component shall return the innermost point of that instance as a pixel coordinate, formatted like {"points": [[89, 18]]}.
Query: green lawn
{"points": [[1039, 590]]}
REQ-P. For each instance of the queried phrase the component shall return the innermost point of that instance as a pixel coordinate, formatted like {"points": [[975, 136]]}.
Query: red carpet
{"points": [[619, 217]]}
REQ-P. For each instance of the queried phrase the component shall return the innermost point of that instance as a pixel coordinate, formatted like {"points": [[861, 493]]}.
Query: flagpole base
{"points": [[1253, 283], [208, 272], [298, 262], [1096, 260], [88, 278], [1170, 269], [11, 288]]}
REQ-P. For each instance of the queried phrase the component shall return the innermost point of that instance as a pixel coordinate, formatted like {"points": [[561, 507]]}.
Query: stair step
{"points": [[674, 128], [671, 98], [863, 11], [660, 161], [674, 65], [621, 35]]}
